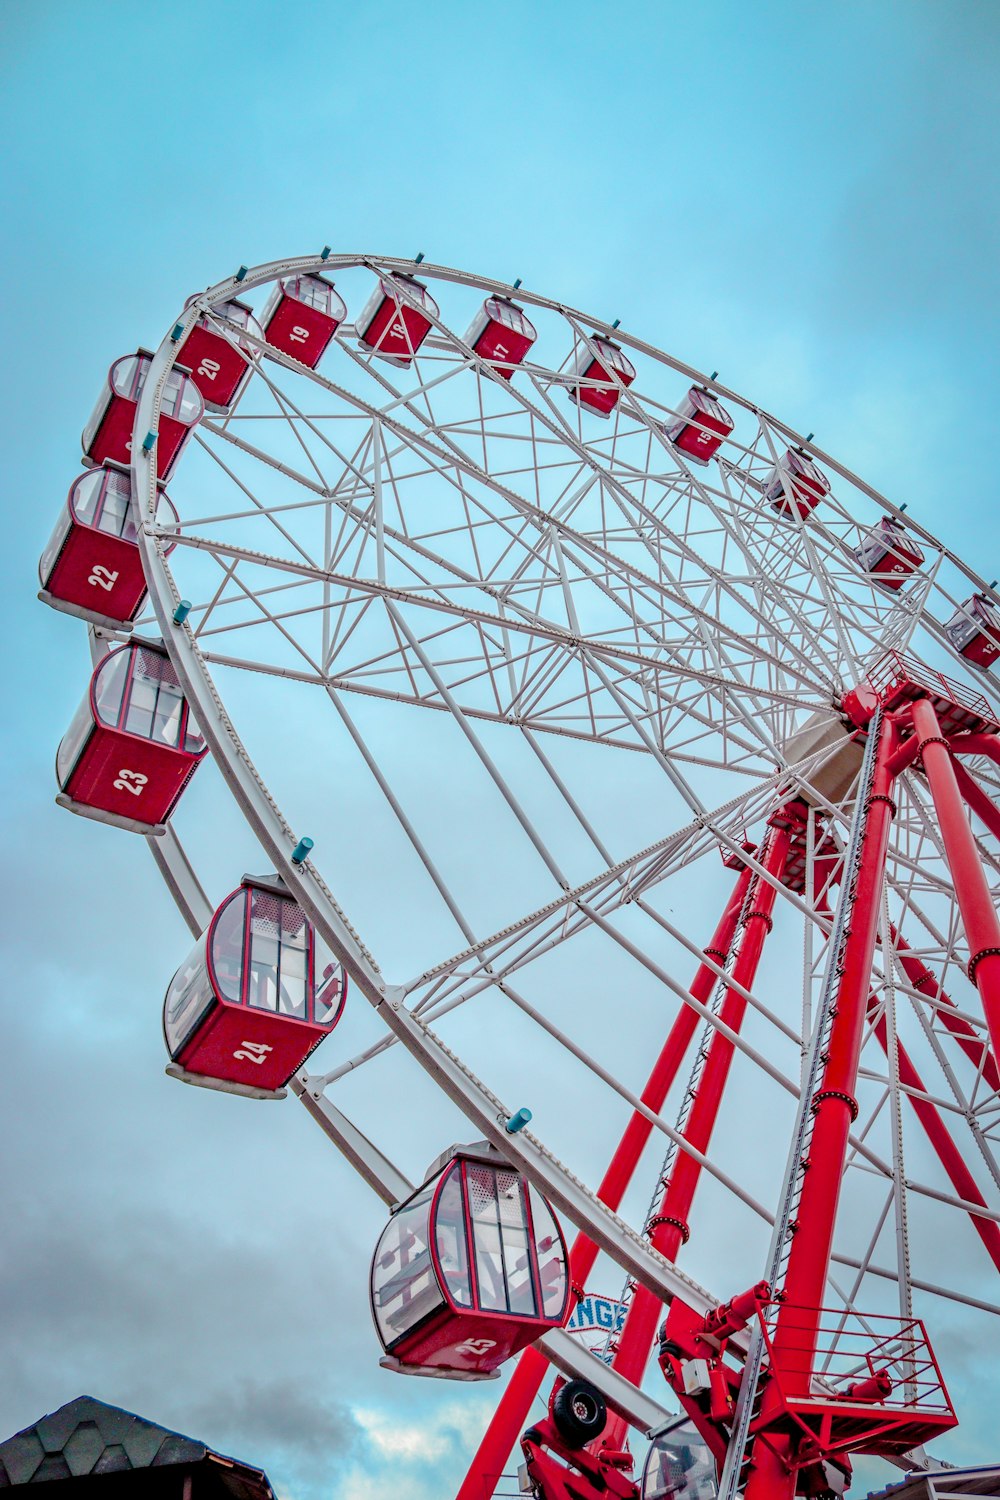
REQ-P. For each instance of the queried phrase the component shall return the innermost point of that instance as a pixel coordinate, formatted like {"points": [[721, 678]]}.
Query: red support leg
{"points": [[979, 918], [967, 1037], [515, 1403], [985, 809], [944, 1146], [797, 1325], [670, 1228]]}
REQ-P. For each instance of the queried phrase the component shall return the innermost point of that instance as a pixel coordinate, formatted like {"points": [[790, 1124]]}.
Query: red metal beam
{"points": [[920, 976], [670, 1228], [984, 808], [979, 918], [941, 1140], [976, 744], [512, 1412], [803, 1294]]}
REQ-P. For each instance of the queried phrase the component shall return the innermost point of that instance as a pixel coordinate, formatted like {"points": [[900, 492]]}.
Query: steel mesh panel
{"points": [[481, 1183], [155, 666], [509, 1198], [293, 923], [266, 913]]}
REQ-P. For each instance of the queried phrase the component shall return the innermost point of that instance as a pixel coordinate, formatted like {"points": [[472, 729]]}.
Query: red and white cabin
{"points": [[469, 1270], [220, 363], [796, 485], [91, 567], [394, 322], [601, 376], [301, 317], [701, 427], [501, 333], [133, 744], [255, 996], [888, 554], [974, 630], [108, 434]]}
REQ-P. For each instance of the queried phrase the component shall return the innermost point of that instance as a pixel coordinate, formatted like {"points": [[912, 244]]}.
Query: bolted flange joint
{"points": [[977, 959], [848, 1099], [669, 1219]]}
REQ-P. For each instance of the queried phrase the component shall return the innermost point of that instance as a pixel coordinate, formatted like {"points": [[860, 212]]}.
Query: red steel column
{"points": [[967, 1037], [670, 1227], [511, 1414], [942, 1141], [979, 918], [981, 805], [835, 1108]]}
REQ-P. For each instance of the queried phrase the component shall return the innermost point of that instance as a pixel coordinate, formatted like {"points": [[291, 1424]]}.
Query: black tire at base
{"points": [[579, 1413]]}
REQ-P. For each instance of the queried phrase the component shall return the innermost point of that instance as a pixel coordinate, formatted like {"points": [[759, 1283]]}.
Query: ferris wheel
{"points": [[650, 760]]}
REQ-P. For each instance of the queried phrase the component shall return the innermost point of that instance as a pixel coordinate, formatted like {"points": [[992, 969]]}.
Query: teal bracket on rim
{"points": [[301, 851]]}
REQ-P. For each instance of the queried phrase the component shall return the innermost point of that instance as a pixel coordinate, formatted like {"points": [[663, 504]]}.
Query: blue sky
{"points": [[803, 197]]}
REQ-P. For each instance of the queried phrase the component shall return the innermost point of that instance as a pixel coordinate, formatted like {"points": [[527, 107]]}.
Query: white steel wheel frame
{"points": [[738, 623]]}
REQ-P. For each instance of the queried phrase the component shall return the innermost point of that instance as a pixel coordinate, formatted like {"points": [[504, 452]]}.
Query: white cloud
{"points": [[395, 1439]]}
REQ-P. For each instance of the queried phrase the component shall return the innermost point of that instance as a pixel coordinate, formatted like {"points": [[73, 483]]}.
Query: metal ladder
{"points": [[708, 1031], [736, 1468]]}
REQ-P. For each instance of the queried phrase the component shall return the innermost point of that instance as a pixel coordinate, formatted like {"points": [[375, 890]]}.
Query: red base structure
{"points": [[833, 1383], [881, 1391], [563, 1473]]}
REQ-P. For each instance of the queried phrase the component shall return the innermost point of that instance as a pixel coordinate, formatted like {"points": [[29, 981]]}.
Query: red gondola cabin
{"points": [[301, 317], [91, 566], [888, 554], [501, 334], [133, 745], [254, 998], [701, 427], [796, 485], [220, 363], [396, 318], [470, 1270], [602, 371], [974, 630], [108, 434]]}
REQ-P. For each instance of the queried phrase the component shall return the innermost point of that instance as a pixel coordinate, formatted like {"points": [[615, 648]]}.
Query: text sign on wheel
{"points": [[598, 1312]]}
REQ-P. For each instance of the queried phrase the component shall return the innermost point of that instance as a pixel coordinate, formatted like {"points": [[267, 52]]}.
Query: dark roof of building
{"points": [[984, 1479], [87, 1439]]}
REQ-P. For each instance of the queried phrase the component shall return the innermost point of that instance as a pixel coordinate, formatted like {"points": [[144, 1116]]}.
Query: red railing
{"points": [[864, 1359], [897, 670]]}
